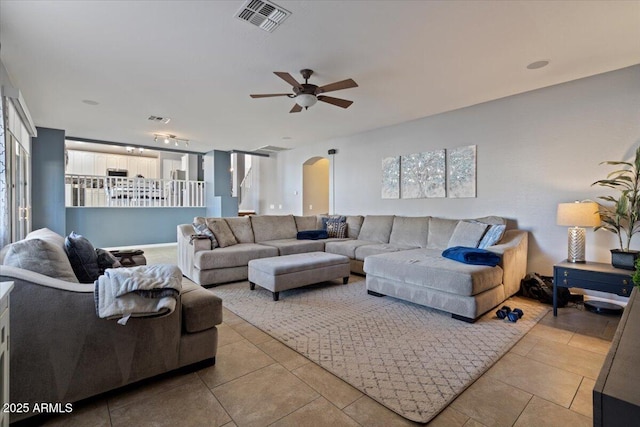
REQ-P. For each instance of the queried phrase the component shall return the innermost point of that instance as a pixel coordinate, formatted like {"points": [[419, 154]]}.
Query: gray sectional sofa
{"points": [[401, 257]]}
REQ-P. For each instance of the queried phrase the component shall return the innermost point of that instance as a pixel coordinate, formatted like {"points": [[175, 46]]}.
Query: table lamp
{"points": [[577, 215]]}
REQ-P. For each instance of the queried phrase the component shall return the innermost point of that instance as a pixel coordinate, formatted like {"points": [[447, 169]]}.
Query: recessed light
{"points": [[537, 64], [90, 102]]}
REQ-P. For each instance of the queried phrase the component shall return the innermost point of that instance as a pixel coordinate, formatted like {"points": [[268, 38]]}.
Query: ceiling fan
{"points": [[307, 94]]}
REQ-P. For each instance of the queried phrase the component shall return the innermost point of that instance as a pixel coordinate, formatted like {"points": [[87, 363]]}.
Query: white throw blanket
{"points": [[148, 290]]}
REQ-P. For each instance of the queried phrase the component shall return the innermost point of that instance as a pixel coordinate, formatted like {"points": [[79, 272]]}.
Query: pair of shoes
{"points": [[512, 315]]}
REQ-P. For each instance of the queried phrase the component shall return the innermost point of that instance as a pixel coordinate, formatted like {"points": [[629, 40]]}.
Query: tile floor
{"points": [[545, 380]]}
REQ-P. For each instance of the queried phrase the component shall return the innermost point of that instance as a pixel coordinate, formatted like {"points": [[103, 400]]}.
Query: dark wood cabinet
{"points": [[590, 275]]}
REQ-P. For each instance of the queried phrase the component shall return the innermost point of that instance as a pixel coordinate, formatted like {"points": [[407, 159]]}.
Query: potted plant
{"points": [[621, 214]]}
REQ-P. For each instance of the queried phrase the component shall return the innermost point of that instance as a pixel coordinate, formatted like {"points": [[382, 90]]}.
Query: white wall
{"points": [[534, 150]]}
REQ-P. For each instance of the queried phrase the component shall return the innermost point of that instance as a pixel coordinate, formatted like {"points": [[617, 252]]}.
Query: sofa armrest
{"points": [[187, 248], [513, 247]]}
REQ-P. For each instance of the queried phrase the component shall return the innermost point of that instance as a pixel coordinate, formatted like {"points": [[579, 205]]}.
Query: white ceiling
{"points": [[194, 62]]}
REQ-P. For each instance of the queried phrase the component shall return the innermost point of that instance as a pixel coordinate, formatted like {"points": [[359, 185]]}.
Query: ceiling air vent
{"points": [[159, 119], [263, 14], [270, 149]]}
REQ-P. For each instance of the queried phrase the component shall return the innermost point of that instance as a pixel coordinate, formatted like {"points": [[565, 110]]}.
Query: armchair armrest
{"points": [[513, 247]]}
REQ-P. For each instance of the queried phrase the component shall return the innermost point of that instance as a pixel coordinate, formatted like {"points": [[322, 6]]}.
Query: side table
{"points": [[590, 275]]}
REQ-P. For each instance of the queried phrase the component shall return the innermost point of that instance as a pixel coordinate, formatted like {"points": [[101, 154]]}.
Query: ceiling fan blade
{"points": [[268, 95], [335, 101], [344, 84], [288, 78], [296, 108]]}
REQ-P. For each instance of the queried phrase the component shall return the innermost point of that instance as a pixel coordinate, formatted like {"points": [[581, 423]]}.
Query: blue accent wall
{"points": [[47, 180], [112, 227], [218, 191]]}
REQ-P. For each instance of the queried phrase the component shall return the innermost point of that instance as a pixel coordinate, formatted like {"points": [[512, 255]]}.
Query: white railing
{"points": [[109, 191], [248, 197]]}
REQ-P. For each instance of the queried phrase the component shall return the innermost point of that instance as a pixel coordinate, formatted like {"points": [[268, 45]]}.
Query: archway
{"points": [[315, 186]]}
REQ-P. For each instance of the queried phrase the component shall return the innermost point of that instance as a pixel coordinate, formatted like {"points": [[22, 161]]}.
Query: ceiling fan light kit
{"points": [[307, 94]]}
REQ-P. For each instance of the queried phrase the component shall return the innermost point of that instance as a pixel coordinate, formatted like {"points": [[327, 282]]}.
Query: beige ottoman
{"points": [[293, 271]]}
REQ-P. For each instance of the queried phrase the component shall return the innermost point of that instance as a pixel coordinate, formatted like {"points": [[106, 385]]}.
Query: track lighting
{"points": [[167, 138]]}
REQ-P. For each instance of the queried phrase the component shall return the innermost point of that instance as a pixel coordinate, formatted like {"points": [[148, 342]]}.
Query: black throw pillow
{"points": [[82, 257], [106, 260]]}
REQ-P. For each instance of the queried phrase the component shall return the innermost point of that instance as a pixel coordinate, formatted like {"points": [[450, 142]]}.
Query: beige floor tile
{"points": [[493, 402], [227, 335], [449, 418], [251, 333], [229, 317], [610, 331], [551, 333], [287, 357], [370, 413], [264, 396], [583, 402], [331, 387], [319, 413], [474, 423], [572, 359], [145, 389], [191, 404], [540, 379], [541, 413], [233, 361], [525, 345], [585, 342], [91, 413]]}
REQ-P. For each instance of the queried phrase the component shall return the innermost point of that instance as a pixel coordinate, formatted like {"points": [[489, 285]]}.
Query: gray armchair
{"points": [[60, 351]]}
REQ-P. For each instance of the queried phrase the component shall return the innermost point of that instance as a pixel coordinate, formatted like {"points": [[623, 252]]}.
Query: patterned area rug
{"points": [[412, 359]]}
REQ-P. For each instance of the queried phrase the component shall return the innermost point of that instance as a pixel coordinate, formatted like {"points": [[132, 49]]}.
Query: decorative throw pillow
{"points": [[492, 236], [201, 229], [106, 260], [337, 229], [335, 218], [222, 232], [467, 234], [83, 258]]}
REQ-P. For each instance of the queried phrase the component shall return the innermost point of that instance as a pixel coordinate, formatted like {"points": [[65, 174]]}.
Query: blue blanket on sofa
{"points": [[312, 235], [473, 256]]}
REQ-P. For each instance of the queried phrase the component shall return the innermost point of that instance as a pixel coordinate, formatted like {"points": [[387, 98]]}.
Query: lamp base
{"points": [[576, 241], [602, 307]]}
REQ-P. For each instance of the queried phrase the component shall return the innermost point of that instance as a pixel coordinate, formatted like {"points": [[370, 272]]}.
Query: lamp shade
{"points": [[306, 100], [578, 214]]}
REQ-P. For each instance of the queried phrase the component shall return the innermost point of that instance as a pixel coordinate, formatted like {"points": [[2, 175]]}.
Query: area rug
{"points": [[411, 359]]}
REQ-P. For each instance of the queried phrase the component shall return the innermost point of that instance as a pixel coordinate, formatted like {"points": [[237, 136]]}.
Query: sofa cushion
{"points": [[467, 234], [273, 227], [201, 309], [410, 231], [294, 246], [440, 232], [376, 228], [379, 248], [427, 268], [354, 224], [345, 247], [237, 255], [41, 252], [222, 231], [83, 257], [241, 228], [304, 223]]}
